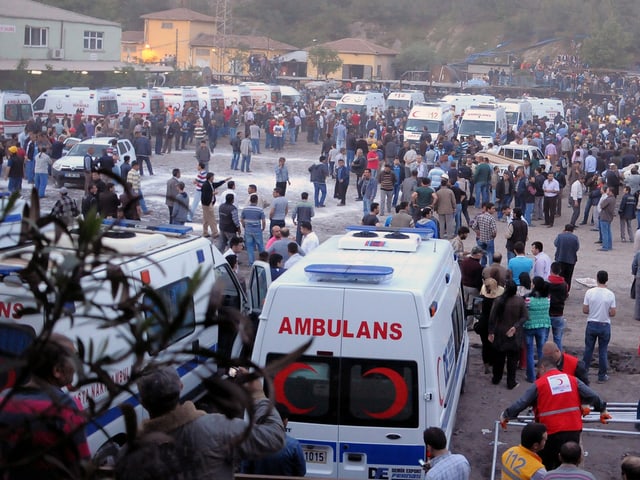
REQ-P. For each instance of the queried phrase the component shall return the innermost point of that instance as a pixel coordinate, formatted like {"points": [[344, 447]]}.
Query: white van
{"points": [[464, 101], [166, 263], [546, 107], [182, 98], [15, 111], [93, 103], [261, 93], [211, 97], [139, 101], [437, 117], [372, 102], [389, 352], [237, 93], [290, 95], [483, 121], [404, 100], [518, 111]]}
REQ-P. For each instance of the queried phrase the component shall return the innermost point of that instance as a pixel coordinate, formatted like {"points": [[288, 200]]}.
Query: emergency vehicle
{"points": [[261, 93], [163, 257], [140, 101], [483, 121], [237, 93], [15, 111], [290, 95], [437, 117], [546, 107], [404, 100], [181, 98], [211, 97], [461, 102], [389, 353], [93, 103], [369, 102], [518, 111]]}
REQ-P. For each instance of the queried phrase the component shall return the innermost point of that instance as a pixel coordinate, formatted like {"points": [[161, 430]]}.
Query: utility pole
{"points": [[175, 63], [223, 28]]}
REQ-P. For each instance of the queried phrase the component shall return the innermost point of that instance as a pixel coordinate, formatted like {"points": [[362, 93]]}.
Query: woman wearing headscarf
{"points": [[489, 292]]}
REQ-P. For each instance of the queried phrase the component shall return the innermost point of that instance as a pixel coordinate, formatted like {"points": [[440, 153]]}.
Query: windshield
{"points": [[512, 118], [350, 106], [108, 107], [483, 128], [157, 105], [397, 103], [415, 125], [80, 149], [17, 111]]}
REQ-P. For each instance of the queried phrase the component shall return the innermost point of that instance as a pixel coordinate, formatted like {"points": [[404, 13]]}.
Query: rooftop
{"points": [[358, 45], [178, 15], [28, 9]]}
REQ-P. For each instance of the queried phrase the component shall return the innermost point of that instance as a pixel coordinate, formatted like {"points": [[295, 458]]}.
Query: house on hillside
{"points": [[41, 36], [361, 59]]}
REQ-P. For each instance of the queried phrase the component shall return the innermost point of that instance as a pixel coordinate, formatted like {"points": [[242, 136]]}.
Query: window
{"points": [[177, 316], [167, 25], [93, 40], [15, 112], [107, 107], [35, 36], [202, 52]]}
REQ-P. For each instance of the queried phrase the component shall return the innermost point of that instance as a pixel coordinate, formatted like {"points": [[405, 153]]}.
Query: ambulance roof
{"points": [[417, 271]]}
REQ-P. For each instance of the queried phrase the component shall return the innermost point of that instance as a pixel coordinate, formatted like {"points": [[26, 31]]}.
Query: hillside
{"points": [[424, 31]]}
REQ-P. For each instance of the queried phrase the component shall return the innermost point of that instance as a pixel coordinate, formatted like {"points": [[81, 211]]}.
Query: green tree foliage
{"points": [[609, 46], [415, 56], [324, 59]]}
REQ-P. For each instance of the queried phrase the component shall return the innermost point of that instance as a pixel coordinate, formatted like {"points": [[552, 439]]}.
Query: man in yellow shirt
{"points": [[522, 462]]}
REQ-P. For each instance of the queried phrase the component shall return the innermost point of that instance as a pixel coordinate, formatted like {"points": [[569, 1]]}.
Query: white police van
{"points": [[164, 259], [389, 351]]}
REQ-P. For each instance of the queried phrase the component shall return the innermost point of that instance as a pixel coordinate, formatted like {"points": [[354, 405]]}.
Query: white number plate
{"points": [[315, 455], [72, 175]]}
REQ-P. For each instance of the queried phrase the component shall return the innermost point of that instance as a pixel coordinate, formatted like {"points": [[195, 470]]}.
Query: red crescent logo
{"points": [[279, 381], [142, 105], [402, 393]]}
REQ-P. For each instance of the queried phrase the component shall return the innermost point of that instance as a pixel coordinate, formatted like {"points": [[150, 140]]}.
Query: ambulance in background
{"points": [[181, 98], [483, 121], [404, 100], [93, 103], [139, 101], [166, 259], [368, 102], [211, 97], [290, 95], [546, 107], [464, 101], [264, 94], [237, 93], [518, 111], [437, 117], [389, 351], [15, 111]]}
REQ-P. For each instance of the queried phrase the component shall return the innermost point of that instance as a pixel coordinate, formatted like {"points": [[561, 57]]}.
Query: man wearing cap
{"points": [[16, 170], [211, 443]]}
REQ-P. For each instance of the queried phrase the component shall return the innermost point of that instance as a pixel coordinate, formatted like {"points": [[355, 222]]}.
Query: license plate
{"points": [[315, 455], [72, 175]]}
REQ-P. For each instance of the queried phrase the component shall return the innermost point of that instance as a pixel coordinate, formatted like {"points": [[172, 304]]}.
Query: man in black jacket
{"points": [[208, 201]]}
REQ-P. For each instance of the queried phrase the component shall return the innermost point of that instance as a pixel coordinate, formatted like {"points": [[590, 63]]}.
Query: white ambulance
{"points": [[140, 101], [15, 111], [461, 102], [263, 94], [518, 111], [290, 95], [160, 260], [211, 97], [93, 103], [437, 117], [237, 93], [483, 121], [389, 351], [181, 98], [369, 103], [404, 100], [546, 107]]}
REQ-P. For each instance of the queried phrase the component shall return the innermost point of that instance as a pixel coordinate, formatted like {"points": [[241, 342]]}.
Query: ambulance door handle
{"points": [[394, 436], [195, 347]]}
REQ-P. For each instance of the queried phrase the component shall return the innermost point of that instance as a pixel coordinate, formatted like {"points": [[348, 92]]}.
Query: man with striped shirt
{"points": [[201, 177]]}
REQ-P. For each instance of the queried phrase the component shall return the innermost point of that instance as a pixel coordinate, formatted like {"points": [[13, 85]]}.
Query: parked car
{"points": [[69, 170]]}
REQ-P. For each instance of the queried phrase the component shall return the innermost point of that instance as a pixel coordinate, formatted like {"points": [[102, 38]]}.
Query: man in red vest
{"points": [[566, 363], [557, 398]]}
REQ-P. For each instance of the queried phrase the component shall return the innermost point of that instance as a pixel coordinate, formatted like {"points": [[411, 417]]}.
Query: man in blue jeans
{"points": [[607, 212], [318, 174], [599, 305], [253, 222]]}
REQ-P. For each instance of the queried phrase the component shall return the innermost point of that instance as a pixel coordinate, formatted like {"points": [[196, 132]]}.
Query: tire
{"points": [[59, 182]]}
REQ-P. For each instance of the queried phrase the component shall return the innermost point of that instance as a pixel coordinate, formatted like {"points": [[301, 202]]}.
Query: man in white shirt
{"points": [[551, 189], [541, 262], [294, 255], [575, 198], [310, 240]]}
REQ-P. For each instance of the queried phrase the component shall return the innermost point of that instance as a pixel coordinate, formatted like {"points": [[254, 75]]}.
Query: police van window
{"points": [[459, 323], [258, 287], [230, 289], [172, 297], [309, 388], [380, 393]]}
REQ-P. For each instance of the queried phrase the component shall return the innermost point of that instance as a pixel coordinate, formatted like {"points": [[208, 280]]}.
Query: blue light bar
{"points": [[324, 272]]}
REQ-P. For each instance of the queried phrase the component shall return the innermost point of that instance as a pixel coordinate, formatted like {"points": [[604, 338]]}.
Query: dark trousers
{"points": [[498, 367], [549, 207], [566, 272], [576, 210], [549, 454], [341, 191]]}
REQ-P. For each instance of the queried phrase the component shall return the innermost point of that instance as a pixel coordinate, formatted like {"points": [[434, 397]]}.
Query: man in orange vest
{"points": [[522, 462], [557, 398], [566, 363]]}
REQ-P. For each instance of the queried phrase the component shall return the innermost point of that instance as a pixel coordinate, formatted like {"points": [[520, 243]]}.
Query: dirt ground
{"points": [[482, 402]]}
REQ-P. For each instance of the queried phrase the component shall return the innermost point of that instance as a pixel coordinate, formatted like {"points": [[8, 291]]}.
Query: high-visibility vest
{"points": [[569, 364], [520, 463], [558, 406]]}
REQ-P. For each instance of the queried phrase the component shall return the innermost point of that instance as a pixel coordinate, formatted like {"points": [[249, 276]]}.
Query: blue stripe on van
{"points": [[385, 454], [114, 413], [15, 217]]}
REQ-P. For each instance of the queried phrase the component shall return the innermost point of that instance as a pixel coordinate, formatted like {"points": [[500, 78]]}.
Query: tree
{"points": [[608, 47], [325, 60], [416, 56]]}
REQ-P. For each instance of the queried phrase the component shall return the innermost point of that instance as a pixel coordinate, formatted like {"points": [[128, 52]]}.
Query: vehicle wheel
{"points": [[59, 182]]}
